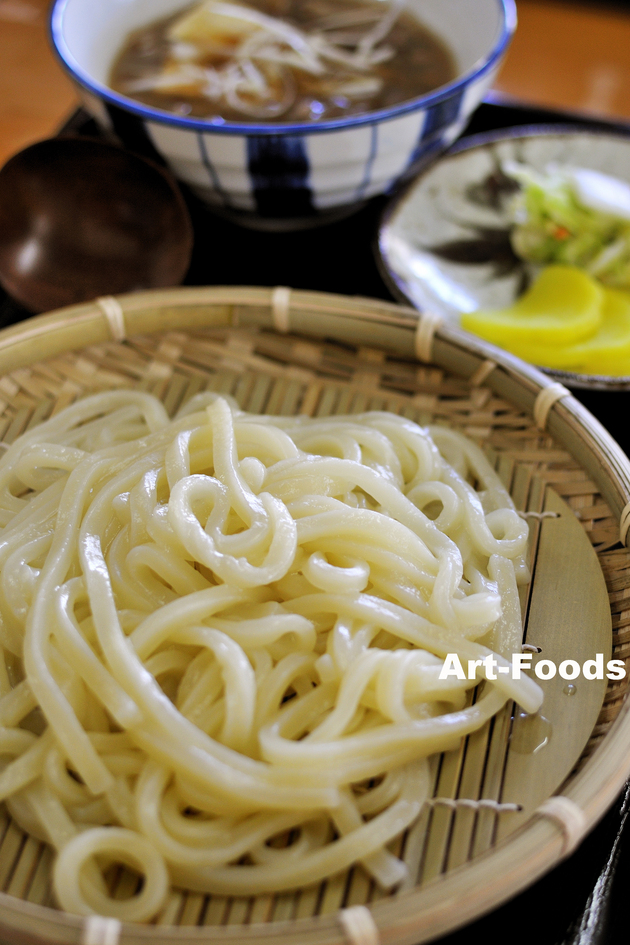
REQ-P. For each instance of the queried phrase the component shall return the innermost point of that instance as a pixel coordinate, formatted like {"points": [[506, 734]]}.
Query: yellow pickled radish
{"points": [[609, 351], [605, 352], [563, 306]]}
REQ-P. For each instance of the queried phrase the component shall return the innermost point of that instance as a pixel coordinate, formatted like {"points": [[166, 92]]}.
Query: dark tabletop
{"points": [[582, 901]]}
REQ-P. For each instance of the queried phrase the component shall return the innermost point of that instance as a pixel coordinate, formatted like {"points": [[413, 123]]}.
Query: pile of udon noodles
{"points": [[225, 629]]}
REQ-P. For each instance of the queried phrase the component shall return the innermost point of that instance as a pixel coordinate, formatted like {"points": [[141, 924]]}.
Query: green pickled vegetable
{"points": [[575, 217]]}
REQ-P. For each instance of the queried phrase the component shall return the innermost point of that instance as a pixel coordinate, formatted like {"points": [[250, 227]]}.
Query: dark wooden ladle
{"points": [[81, 218]]}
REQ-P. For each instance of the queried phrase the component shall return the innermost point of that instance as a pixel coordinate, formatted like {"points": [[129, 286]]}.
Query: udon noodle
{"points": [[223, 636]]}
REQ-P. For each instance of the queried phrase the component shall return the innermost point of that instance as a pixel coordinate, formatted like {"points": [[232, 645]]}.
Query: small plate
{"points": [[444, 240]]}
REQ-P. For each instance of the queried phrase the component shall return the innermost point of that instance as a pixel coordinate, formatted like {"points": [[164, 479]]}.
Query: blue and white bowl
{"points": [[286, 175]]}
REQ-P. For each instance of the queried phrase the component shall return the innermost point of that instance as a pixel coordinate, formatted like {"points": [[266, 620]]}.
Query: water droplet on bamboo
{"points": [[530, 733]]}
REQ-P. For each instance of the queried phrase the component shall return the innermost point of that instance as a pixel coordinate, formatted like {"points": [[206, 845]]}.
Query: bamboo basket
{"points": [[285, 353]]}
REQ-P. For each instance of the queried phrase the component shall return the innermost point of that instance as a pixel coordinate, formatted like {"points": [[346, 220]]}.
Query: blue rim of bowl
{"points": [[592, 382], [508, 25]]}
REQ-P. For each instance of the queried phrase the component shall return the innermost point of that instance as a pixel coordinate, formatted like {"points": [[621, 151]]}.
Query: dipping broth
{"points": [[282, 60]]}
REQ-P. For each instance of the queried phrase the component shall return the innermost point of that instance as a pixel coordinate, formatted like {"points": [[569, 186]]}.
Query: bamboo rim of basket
{"points": [[519, 860]]}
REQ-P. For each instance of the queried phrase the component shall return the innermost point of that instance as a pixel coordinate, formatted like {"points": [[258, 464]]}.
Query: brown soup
{"points": [[282, 60]]}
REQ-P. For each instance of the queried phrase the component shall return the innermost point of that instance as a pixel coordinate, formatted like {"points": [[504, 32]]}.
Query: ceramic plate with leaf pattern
{"points": [[444, 242]]}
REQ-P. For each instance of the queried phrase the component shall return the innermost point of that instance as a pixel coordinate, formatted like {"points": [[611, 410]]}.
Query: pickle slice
{"points": [[605, 352], [562, 307]]}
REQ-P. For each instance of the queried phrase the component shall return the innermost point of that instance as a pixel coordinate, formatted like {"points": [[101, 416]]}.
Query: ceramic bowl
{"points": [[444, 241], [287, 175]]}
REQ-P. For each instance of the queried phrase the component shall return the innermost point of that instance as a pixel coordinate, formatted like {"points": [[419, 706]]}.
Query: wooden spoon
{"points": [[80, 218]]}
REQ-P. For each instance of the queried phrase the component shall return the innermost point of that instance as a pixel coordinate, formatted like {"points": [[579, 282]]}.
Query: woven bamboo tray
{"points": [[285, 353]]}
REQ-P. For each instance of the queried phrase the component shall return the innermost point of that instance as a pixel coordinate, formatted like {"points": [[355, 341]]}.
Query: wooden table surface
{"points": [[565, 54]]}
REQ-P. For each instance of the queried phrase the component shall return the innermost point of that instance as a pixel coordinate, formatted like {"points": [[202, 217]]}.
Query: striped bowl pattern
{"points": [[283, 175]]}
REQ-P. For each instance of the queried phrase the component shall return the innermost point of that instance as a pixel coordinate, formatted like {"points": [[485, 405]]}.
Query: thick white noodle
{"points": [[222, 638]]}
